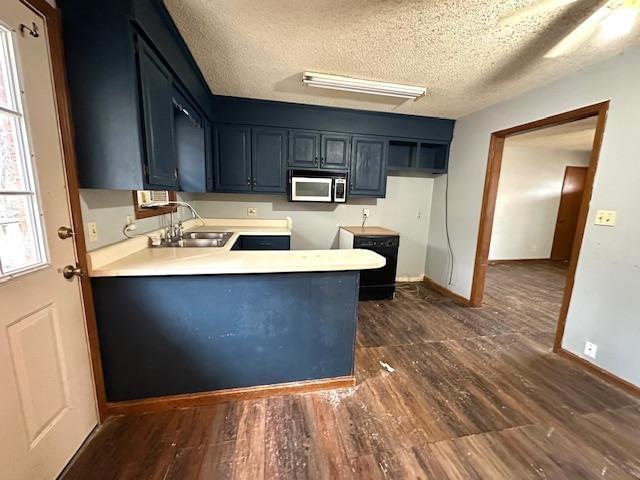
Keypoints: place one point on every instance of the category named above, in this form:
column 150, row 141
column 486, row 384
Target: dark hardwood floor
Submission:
column 443, row 391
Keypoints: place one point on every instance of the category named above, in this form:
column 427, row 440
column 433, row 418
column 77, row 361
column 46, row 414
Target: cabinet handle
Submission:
column 321, row 161
column 248, row 181
column 175, row 174
column 254, row 182
column 315, row 160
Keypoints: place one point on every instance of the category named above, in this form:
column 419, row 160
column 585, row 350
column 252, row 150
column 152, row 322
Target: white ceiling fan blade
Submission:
column 533, row 10
column 620, row 22
column 579, row 35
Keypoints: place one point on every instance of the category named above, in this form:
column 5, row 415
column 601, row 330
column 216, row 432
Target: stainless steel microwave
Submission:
column 317, row 186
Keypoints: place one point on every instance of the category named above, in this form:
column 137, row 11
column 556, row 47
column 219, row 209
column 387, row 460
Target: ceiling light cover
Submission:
column 349, row 84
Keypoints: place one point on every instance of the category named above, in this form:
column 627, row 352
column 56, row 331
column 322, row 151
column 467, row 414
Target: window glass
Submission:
column 13, row 176
column 6, row 89
column 21, row 238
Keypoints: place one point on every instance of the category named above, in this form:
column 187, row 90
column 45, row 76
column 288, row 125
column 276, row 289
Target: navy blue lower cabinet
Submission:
column 368, row 166
column 185, row 334
column 263, row 242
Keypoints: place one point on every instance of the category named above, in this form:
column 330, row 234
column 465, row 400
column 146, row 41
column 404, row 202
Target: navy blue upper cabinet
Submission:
column 232, row 158
column 368, row 166
column 152, row 18
column 192, row 152
column 156, row 91
column 414, row 155
column 311, row 149
column 249, row 159
column 305, row 149
column 335, row 151
column 268, row 160
column 121, row 91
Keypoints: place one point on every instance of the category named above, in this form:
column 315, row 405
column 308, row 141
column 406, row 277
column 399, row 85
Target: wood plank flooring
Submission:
column 443, row 391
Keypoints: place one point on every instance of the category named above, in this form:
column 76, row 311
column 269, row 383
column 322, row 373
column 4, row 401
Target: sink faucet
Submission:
column 175, row 230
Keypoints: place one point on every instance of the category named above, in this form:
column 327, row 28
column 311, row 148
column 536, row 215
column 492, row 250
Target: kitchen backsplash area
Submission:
column 405, row 209
column 110, row 209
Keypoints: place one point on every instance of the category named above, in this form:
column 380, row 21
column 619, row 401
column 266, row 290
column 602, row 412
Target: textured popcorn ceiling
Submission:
column 575, row 136
column 455, row 48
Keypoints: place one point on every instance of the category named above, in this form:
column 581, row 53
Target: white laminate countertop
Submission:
column 134, row 257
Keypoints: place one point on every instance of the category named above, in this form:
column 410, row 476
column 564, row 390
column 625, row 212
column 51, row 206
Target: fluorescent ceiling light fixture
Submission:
column 349, row 84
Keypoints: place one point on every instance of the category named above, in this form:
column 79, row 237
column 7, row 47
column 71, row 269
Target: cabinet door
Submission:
column 368, row 167
column 156, row 91
column 232, row 158
column 208, row 147
column 305, row 149
column 191, row 145
column 266, row 242
column 335, row 151
column 268, row 159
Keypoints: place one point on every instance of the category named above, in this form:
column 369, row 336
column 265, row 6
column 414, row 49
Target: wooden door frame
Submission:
column 53, row 21
column 496, row 149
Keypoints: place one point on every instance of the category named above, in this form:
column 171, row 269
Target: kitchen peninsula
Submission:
column 177, row 321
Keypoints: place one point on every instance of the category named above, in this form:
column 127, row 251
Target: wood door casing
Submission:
column 567, row 221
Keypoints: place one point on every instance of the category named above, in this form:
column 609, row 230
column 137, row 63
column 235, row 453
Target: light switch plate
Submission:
column 606, row 217
column 92, row 227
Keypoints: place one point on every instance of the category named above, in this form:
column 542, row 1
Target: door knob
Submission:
column 71, row 271
column 64, row 233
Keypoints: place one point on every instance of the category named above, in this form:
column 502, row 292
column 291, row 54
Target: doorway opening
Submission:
column 538, row 226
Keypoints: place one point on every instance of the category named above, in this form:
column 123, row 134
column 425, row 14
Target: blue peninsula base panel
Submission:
column 186, row 334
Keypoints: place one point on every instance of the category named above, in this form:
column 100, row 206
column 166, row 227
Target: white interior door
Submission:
column 47, row 405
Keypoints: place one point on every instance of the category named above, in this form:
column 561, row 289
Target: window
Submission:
column 141, row 197
column 21, row 236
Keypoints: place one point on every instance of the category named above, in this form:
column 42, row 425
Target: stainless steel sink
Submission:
column 215, row 235
column 198, row 240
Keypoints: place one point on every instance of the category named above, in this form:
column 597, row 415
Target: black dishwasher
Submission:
column 379, row 283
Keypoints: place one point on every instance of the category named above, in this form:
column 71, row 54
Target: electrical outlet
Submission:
column 92, row 227
column 606, row 217
column 590, row 349
column 252, row 211
column 365, row 212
